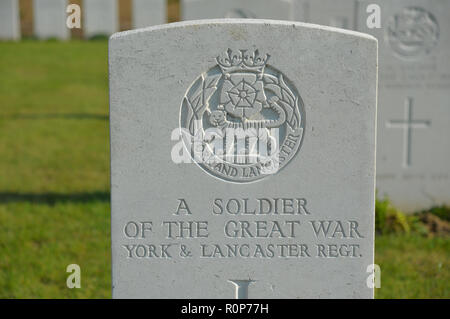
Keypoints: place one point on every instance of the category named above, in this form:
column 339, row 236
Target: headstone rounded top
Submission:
column 239, row 21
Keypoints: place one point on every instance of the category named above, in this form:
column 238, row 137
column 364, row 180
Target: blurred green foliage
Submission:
column 391, row 220
column 443, row 212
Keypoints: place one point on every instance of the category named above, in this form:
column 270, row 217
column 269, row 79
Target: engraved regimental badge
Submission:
column 412, row 33
column 242, row 120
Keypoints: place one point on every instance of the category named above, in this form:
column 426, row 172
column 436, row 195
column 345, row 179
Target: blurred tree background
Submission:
column 26, row 15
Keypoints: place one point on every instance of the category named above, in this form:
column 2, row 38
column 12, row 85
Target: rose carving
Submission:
column 242, row 95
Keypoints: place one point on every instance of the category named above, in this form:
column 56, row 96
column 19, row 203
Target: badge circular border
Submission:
column 417, row 41
column 204, row 93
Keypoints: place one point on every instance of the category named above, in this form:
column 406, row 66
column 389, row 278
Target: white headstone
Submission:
column 149, row 12
column 333, row 13
column 101, row 17
column 413, row 159
column 49, row 19
column 257, row 9
column 251, row 219
column 300, row 11
column 9, row 20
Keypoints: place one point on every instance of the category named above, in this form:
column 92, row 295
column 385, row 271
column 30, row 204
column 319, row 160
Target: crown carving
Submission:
column 242, row 60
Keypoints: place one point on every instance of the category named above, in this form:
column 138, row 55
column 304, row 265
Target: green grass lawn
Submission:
column 413, row 266
column 54, row 182
column 54, row 169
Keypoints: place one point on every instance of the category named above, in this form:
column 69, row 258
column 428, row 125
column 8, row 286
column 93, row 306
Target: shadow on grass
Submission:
column 53, row 198
column 36, row 116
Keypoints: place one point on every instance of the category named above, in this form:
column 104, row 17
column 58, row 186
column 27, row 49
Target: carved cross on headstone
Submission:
column 408, row 124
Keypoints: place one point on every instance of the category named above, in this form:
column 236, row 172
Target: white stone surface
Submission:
column 9, row 20
column 149, row 12
column 101, row 17
column 413, row 160
column 333, row 13
column 322, row 81
column 256, row 9
column 49, row 19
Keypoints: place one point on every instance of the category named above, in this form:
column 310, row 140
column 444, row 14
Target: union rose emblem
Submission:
column 243, row 95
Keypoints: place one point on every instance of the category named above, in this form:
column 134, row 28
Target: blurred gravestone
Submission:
column 333, row 13
column 101, row 17
column 413, row 155
column 9, row 20
column 49, row 19
column 148, row 12
column 211, row 225
column 253, row 9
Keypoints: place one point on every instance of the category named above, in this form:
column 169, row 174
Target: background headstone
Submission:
column 9, row 20
column 175, row 225
column 49, row 19
column 101, row 17
column 149, row 12
column 256, row 9
column 413, row 155
column 333, row 13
